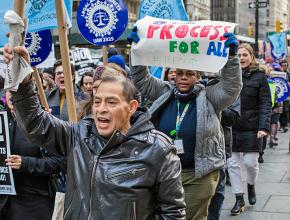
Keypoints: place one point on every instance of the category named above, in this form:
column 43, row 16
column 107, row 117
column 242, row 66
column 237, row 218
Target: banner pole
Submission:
column 64, row 51
column 105, row 55
column 40, row 90
column 19, row 7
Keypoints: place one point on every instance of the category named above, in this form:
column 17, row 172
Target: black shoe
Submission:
column 275, row 138
column 275, row 144
column 239, row 205
column 285, row 130
column 261, row 159
column 252, row 194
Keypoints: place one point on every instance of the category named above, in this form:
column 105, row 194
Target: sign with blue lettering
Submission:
column 38, row 45
column 102, row 22
column 282, row 88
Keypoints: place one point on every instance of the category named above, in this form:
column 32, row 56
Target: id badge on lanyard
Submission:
column 179, row 146
column 179, row 142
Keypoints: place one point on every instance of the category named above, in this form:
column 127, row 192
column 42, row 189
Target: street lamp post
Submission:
column 257, row 28
column 257, row 5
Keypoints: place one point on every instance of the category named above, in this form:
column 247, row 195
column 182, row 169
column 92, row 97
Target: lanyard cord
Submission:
column 179, row 117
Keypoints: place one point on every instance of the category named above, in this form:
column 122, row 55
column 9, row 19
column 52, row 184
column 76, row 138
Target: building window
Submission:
column 267, row 23
column 268, row 13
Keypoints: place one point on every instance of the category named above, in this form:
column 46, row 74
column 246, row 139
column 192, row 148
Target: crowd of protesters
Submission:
column 144, row 146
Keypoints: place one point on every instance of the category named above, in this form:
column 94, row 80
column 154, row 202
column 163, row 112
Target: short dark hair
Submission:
column 59, row 63
column 129, row 90
column 283, row 61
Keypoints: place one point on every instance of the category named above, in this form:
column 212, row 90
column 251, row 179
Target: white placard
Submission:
column 196, row 45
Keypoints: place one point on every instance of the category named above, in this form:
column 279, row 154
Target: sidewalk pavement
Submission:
column 272, row 188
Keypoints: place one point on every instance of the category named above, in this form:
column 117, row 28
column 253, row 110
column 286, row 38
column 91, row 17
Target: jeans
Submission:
column 216, row 203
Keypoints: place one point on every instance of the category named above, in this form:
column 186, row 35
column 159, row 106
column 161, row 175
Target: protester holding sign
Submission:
column 248, row 132
column 118, row 164
column 34, row 199
column 190, row 114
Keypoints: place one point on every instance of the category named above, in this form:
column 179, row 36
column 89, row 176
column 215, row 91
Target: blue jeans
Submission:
column 215, row 207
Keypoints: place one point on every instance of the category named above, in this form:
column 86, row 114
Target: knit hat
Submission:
column 119, row 60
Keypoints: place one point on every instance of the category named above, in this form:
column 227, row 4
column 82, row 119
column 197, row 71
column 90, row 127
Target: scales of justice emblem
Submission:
column 102, row 22
column 101, row 18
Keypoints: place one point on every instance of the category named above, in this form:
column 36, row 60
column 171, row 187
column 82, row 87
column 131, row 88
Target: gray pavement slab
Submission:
column 272, row 187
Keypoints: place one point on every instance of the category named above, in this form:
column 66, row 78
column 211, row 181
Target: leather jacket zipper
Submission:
column 132, row 171
column 92, row 177
column 134, row 211
column 91, row 185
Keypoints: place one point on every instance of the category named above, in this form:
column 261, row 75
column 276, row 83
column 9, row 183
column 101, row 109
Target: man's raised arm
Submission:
column 42, row 128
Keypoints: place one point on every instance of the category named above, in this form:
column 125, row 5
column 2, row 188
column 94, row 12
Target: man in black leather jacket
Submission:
column 119, row 166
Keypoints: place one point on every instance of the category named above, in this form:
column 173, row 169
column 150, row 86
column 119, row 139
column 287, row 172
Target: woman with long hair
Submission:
column 250, row 129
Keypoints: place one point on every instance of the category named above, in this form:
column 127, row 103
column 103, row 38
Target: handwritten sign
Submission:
column 6, row 177
column 195, row 45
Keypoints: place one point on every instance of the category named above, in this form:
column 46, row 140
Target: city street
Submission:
column 273, row 187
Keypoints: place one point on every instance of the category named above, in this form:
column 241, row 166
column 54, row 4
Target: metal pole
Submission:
column 257, row 28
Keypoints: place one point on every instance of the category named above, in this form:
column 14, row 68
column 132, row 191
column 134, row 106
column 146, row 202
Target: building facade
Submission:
column 278, row 11
column 198, row 9
column 238, row 11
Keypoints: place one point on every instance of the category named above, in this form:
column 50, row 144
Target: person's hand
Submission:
column 232, row 43
column 261, row 134
column 14, row 161
column 133, row 37
column 9, row 53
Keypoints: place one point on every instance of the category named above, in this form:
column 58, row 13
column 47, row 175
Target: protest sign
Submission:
column 5, row 6
column 278, row 44
column 82, row 60
column 49, row 61
column 38, row 45
column 102, row 22
column 282, row 88
column 3, row 67
column 41, row 14
column 166, row 9
column 6, row 177
column 195, row 45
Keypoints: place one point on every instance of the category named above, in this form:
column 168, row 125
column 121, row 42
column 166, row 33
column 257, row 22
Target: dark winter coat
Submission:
column 129, row 177
column 32, row 179
column 255, row 111
column 53, row 99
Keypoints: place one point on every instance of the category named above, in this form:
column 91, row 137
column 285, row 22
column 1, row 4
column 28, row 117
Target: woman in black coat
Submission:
column 31, row 172
column 249, row 130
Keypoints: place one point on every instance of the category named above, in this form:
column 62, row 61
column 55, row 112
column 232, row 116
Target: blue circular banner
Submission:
column 38, row 45
column 282, row 88
column 102, row 22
